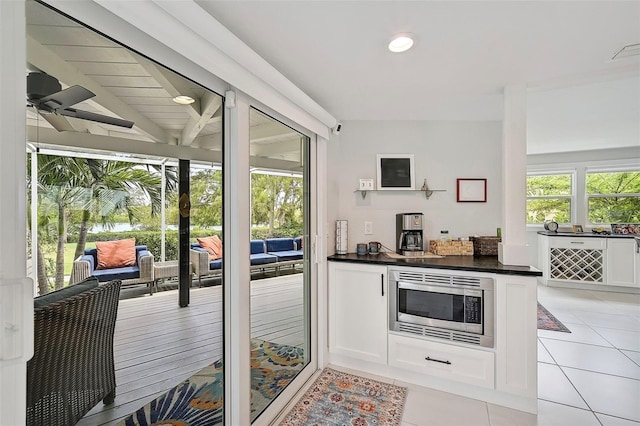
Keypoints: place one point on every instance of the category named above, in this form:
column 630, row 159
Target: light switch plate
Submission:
column 368, row 228
column 366, row 184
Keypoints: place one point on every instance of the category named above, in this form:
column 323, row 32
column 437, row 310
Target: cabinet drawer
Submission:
column 451, row 362
column 578, row 243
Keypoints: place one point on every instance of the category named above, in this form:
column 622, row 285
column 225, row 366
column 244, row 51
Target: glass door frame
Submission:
column 237, row 187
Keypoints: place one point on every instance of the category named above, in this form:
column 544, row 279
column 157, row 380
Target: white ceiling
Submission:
column 466, row 53
column 335, row 51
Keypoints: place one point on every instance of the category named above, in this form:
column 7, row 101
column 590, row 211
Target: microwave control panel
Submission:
column 472, row 310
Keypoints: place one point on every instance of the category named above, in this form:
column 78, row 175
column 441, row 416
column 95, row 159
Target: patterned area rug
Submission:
column 198, row 400
column 337, row 398
column 546, row 321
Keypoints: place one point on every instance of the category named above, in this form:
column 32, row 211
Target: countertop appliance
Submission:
column 451, row 307
column 409, row 234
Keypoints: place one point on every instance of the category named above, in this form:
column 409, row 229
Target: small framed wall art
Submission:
column 395, row 171
column 472, row 190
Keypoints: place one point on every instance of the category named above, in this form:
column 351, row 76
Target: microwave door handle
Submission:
column 382, row 283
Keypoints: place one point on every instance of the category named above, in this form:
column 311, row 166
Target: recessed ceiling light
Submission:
column 401, row 43
column 183, row 100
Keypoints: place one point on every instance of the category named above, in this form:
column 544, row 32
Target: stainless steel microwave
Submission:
column 451, row 307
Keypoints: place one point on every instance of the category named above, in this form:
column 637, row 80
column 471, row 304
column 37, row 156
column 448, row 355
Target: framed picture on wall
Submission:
column 396, row 171
column 472, row 190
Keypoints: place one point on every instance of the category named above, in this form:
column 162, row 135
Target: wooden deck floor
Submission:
column 158, row 344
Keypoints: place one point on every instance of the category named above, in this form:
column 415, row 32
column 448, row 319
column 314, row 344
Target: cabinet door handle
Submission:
column 382, row 283
column 438, row 360
column 577, row 242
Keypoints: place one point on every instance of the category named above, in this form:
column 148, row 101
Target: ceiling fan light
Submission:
column 183, row 100
column 401, row 43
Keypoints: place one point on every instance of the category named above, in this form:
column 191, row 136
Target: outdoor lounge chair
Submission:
column 142, row 272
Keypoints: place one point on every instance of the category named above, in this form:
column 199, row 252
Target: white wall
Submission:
column 594, row 115
column 443, row 150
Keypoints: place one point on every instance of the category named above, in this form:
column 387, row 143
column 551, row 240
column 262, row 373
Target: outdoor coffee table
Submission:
column 168, row 269
column 162, row 270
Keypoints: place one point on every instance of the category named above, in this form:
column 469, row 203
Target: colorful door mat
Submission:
column 337, row 398
column 198, row 401
column 546, row 321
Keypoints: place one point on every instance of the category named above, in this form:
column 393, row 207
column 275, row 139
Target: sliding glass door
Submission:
column 279, row 260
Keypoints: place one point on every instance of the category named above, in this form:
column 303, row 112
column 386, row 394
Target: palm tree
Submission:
column 58, row 190
column 110, row 187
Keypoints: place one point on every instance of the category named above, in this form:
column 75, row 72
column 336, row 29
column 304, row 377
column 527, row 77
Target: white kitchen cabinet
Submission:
column 623, row 262
column 504, row 374
column 467, row 365
column 584, row 262
column 358, row 311
column 516, row 336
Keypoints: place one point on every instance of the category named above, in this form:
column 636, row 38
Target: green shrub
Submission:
column 263, row 233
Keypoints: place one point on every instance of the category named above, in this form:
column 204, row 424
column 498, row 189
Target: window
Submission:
column 549, row 197
column 613, row 196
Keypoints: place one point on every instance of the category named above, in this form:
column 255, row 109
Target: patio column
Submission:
column 184, row 207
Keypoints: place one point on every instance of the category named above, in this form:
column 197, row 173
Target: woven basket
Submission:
column 451, row 248
column 485, row 246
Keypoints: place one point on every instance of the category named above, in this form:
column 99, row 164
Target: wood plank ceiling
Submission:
column 132, row 87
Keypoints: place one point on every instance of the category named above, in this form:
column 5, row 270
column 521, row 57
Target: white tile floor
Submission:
column 590, row 376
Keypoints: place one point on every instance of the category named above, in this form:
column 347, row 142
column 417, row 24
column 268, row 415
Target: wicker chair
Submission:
column 142, row 272
column 72, row 368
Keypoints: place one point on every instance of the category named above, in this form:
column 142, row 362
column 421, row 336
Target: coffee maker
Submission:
column 409, row 234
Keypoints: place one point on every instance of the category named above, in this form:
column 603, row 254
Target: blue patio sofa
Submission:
column 269, row 253
column 142, row 272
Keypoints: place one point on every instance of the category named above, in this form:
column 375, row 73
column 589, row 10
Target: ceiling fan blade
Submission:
column 58, row 122
column 99, row 118
column 65, row 98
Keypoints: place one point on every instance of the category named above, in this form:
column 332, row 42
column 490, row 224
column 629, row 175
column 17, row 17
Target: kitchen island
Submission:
column 363, row 304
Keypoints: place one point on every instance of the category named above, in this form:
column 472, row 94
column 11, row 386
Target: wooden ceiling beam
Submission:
column 277, row 148
column 210, row 104
column 169, row 82
column 85, row 141
column 269, row 131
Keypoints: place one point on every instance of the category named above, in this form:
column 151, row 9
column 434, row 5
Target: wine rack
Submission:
column 577, row 264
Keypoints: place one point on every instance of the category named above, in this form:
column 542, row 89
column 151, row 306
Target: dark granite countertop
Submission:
column 488, row 264
column 586, row 234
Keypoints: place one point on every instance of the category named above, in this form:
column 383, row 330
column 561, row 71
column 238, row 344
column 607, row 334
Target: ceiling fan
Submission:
column 45, row 95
